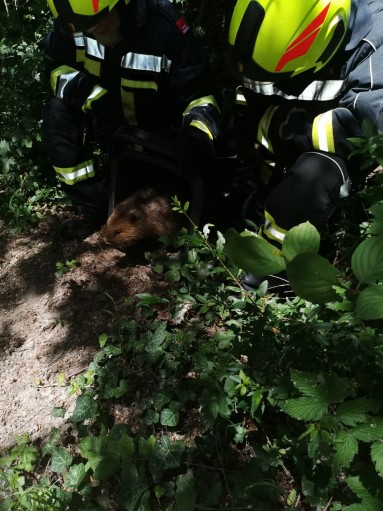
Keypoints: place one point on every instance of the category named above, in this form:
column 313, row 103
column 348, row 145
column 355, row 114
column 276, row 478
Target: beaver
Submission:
column 145, row 215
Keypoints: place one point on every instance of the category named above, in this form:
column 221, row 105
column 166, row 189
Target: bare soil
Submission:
column 50, row 323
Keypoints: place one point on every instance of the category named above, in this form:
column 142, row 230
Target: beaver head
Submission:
column 145, row 215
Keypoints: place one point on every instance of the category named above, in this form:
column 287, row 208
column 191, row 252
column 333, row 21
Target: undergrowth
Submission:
column 207, row 397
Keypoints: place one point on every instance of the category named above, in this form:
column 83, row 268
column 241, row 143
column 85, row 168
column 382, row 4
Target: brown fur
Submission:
column 145, row 215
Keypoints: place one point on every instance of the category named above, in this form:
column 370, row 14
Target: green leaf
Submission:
column 377, row 457
column 353, row 412
column 307, row 383
column 58, row 412
column 130, row 497
column 369, row 303
column 346, row 446
column 215, row 403
column 86, row 407
column 168, row 454
column 312, row 277
column 370, row 432
column 151, row 417
column 302, row 239
column 75, row 476
column 149, row 299
column 170, row 416
column 367, row 261
column 61, row 459
column 186, row 494
column 305, row 408
column 253, row 254
column 103, row 466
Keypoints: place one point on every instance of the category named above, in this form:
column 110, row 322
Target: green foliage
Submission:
column 25, row 187
column 62, row 268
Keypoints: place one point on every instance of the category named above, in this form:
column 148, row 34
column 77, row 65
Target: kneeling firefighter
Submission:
column 310, row 75
column 116, row 63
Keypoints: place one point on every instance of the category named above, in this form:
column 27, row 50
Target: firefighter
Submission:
column 310, row 78
column 116, row 63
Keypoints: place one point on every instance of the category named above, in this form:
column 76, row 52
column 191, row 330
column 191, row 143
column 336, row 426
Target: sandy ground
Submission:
column 50, row 324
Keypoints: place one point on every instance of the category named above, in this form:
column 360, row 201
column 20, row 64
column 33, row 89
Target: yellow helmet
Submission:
column 81, row 14
column 275, row 39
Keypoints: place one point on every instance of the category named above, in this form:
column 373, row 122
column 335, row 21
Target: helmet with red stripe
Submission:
column 276, row 39
column 81, row 14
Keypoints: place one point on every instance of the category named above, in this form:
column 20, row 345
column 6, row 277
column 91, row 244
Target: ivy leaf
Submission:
column 346, row 446
column 301, row 239
column 151, row 417
column 377, row 457
column 215, row 403
column 75, row 476
column 306, row 408
column 369, row 303
column 167, row 454
column 103, row 466
column 366, row 260
column 58, row 412
column 186, row 494
column 86, row 407
column 131, row 496
column 312, row 277
column 170, row 416
column 61, row 459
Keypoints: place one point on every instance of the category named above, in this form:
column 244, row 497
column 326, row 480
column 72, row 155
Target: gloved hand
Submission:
column 107, row 118
column 196, row 151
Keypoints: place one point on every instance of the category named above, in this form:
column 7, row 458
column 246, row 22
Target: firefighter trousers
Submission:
column 309, row 190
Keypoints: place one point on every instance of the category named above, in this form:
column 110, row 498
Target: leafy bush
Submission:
column 26, row 180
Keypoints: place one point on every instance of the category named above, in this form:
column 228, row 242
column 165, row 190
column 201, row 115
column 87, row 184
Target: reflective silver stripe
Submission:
column 94, row 49
column 64, row 79
column 142, row 62
column 79, row 40
column 96, row 92
column 83, row 171
column 240, row 99
column 317, row 90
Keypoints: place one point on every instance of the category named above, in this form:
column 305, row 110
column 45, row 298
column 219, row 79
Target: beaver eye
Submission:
column 133, row 218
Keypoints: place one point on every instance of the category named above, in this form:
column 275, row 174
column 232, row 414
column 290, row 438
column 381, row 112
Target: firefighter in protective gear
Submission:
column 116, row 63
column 311, row 75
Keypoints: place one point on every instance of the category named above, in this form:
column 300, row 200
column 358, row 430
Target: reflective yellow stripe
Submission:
column 201, row 126
column 73, row 175
column 61, row 71
column 93, row 67
column 323, row 133
column 96, row 94
column 271, row 229
column 135, row 84
column 128, row 106
column 80, row 54
column 263, row 128
column 206, row 100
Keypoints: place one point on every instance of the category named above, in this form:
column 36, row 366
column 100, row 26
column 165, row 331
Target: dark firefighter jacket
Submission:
column 158, row 74
column 322, row 110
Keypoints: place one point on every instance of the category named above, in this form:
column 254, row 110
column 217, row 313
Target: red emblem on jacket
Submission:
column 182, row 25
column 95, row 5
